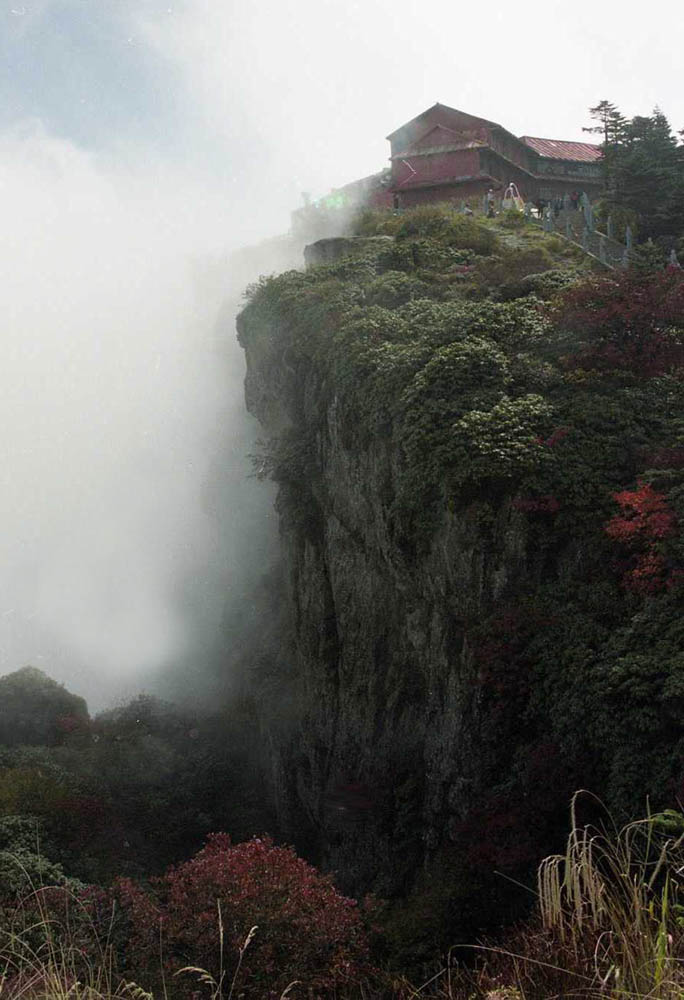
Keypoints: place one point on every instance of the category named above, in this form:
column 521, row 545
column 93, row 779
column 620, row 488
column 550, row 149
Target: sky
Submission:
column 140, row 143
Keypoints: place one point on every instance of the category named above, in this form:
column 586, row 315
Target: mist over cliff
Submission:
column 130, row 523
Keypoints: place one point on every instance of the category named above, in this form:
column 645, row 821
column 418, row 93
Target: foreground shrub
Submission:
column 504, row 273
column 51, row 948
column 305, row 929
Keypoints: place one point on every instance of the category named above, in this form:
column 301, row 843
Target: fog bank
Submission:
column 128, row 520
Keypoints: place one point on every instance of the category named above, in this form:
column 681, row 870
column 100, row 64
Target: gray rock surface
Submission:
column 374, row 728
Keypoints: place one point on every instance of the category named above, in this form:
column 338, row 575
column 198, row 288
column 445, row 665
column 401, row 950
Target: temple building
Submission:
column 448, row 155
column 444, row 154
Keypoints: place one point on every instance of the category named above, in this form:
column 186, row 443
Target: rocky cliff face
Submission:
column 379, row 761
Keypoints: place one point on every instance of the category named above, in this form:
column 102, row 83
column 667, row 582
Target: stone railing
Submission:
column 578, row 227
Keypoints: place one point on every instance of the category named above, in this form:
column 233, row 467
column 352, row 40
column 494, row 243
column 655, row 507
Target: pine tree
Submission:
column 610, row 123
column 643, row 169
column 649, row 174
column 611, row 126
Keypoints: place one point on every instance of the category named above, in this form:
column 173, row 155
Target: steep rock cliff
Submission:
column 439, row 595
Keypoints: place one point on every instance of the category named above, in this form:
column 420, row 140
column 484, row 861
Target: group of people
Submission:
column 572, row 201
column 558, row 204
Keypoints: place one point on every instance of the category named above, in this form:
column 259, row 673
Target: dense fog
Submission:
column 129, row 520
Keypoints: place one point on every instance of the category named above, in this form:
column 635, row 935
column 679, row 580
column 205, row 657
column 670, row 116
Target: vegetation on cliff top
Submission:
column 416, row 337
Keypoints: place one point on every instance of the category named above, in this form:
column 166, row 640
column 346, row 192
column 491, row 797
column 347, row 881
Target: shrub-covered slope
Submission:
column 478, row 444
column 35, row 709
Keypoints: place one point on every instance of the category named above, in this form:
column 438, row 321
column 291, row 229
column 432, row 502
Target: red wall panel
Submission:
column 435, row 167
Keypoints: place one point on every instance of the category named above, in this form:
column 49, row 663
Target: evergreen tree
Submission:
column 643, row 169
column 649, row 174
column 611, row 125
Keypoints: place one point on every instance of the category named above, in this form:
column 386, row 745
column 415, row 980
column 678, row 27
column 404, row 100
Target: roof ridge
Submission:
column 574, row 142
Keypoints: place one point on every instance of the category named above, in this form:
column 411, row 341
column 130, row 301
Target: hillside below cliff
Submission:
column 478, row 448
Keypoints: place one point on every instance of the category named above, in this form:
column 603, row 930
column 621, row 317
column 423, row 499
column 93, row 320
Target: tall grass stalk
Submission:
column 216, row 985
column 616, row 893
column 42, row 955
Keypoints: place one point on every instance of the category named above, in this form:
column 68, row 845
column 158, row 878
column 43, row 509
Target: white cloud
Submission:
column 113, row 405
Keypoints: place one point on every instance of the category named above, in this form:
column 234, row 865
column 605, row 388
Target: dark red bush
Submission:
column 628, row 321
column 547, row 504
column 307, row 930
column 665, row 458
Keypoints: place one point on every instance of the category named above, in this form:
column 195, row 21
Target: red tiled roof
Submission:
column 556, row 149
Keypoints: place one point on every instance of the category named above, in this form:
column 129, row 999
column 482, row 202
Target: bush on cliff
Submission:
column 443, row 223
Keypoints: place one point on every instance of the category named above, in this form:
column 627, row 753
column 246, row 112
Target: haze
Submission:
column 139, row 143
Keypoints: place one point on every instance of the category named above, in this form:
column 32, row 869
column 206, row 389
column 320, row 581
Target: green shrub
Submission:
column 501, row 443
column 504, row 272
column 512, row 219
column 376, row 222
column 547, row 284
column 394, row 288
column 447, row 226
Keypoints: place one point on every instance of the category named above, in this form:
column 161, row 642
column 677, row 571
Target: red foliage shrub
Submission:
column 497, row 835
column 553, row 439
column 537, row 505
column 665, row 458
column 307, row 930
column 629, row 321
column 645, row 515
column 645, row 520
column 70, row 723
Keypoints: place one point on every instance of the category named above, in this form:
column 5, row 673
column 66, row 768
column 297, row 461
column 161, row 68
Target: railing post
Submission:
column 602, row 250
column 629, row 238
column 625, row 258
column 585, row 239
column 609, row 227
